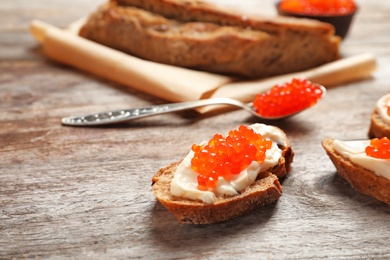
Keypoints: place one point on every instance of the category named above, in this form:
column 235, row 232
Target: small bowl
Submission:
column 341, row 23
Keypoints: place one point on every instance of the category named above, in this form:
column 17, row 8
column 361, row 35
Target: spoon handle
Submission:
column 124, row 115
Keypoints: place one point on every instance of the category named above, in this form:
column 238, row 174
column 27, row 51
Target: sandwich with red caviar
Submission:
column 380, row 118
column 226, row 177
column 365, row 164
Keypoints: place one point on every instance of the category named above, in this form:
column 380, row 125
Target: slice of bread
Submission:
column 265, row 190
column 378, row 127
column 284, row 165
column 361, row 179
column 202, row 36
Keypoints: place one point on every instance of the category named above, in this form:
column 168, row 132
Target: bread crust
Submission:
column 361, row 179
column 201, row 36
column 378, row 127
column 284, row 165
column 265, row 190
column 195, row 10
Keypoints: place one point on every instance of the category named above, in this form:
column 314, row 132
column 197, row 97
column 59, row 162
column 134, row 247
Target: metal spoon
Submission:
column 124, row 115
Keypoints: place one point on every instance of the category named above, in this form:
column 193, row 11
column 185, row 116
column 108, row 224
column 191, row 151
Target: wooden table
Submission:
column 85, row 193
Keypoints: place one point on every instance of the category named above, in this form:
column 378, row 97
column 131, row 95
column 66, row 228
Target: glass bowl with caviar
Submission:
column 339, row 13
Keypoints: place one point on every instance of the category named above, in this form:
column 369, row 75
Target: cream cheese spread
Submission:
column 355, row 151
column 184, row 183
column 381, row 106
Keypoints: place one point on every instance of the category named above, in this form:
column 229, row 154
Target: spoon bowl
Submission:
column 119, row 116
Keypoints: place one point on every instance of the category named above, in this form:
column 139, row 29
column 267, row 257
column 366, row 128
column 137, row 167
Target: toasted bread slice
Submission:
column 265, row 190
column 361, row 179
column 378, row 128
column 202, row 36
column 284, row 165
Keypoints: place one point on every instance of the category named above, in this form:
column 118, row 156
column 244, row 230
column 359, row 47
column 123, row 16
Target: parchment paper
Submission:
column 174, row 83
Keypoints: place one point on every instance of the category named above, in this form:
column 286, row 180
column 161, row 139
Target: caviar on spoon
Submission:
column 279, row 102
column 288, row 98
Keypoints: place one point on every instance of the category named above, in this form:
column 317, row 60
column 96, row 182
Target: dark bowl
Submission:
column 341, row 23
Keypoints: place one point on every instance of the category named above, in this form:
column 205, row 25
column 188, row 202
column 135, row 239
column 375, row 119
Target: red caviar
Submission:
column 226, row 156
column 287, row 98
column 379, row 148
column 318, row 7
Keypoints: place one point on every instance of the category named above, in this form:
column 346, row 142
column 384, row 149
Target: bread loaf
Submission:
column 199, row 35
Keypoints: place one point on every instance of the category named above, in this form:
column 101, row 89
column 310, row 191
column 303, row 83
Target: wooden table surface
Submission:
column 85, row 193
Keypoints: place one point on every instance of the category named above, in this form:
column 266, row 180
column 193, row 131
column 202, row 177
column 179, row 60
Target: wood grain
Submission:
column 84, row 193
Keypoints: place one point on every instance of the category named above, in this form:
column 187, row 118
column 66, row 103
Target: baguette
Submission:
column 199, row 35
column 265, row 190
column 361, row 179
